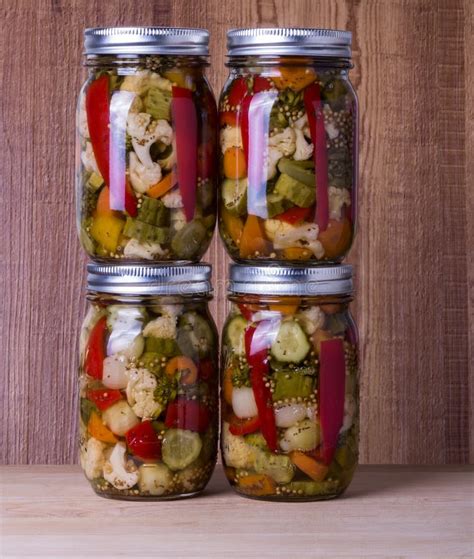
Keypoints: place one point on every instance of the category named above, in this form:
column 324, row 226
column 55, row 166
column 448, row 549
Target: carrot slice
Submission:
column 103, row 202
column 253, row 238
column 185, row 367
column 337, row 238
column 227, row 387
column 99, row 431
column 297, row 253
column 309, row 466
column 290, row 305
column 295, row 77
column 257, row 484
column 162, row 187
column 235, row 166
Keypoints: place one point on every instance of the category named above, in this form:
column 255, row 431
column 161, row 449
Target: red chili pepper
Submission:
column 261, row 84
column 103, row 398
column 95, row 349
column 97, row 110
column 244, row 426
column 259, row 369
column 130, row 200
column 206, row 370
column 294, row 215
column 185, row 124
column 237, row 92
column 314, row 110
column 187, row 414
column 332, row 378
column 143, row 442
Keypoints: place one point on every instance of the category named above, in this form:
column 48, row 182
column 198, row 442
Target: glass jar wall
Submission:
column 146, row 146
column 148, row 382
column 288, row 146
column 289, row 384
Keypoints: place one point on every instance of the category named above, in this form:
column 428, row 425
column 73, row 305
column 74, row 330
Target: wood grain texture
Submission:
column 388, row 512
column 413, row 253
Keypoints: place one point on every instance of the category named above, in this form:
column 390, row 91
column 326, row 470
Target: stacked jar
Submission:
column 146, row 211
column 288, row 142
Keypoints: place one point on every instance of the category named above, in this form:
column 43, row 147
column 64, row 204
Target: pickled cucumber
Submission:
column 187, row 241
column 277, row 466
column 157, row 103
column 153, row 212
column 291, row 344
column 162, row 347
column 297, row 172
column 314, row 488
column 145, row 232
column 234, row 196
column 291, row 385
column 180, row 448
column 235, row 334
column 297, row 192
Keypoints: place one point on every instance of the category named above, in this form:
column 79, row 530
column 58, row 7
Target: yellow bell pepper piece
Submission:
column 106, row 230
column 99, row 431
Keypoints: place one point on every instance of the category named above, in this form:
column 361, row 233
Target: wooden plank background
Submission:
column 415, row 279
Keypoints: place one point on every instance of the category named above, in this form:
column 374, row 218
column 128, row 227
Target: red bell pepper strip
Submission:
column 259, row 368
column 261, row 84
column 130, row 200
column 103, row 398
column 294, row 215
column 314, row 110
column 143, row 441
column 332, row 378
column 95, row 349
column 228, row 117
column 98, row 118
column 185, row 124
column 246, row 311
column 187, row 414
column 244, row 426
column 237, row 92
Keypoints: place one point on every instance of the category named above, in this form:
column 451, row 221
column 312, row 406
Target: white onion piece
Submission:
column 288, row 415
column 119, row 418
column 243, row 402
column 304, row 436
column 350, row 408
column 115, row 368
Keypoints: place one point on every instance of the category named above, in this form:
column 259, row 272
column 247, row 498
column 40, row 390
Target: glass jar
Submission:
column 148, row 382
column 146, row 146
column 289, row 385
column 288, row 139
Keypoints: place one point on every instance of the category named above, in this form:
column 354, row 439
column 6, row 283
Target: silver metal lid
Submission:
column 146, row 40
column 299, row 41
column 300, row 281
column 149, row 279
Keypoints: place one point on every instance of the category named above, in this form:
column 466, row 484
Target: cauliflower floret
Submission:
column 311, row 319
column 140, row 393
column 273, row 156
column 231, row 136
column 302, row 124
column 237, row 453
column 304, row 149
column 177, row 219
column 350, row 409
column 120, row 473
column 144, row 132
column 140, row 82
column 285, row 235
column 337, row 198
column 141, row 177
column 285, row 141
column 161, row 327
column 88, row 159
column 172, row 311
column 173, row 199
column 145, row 250
column 92, row 458
column 82, row 125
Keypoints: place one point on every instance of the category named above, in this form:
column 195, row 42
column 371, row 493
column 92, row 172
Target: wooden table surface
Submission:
column 389, row 512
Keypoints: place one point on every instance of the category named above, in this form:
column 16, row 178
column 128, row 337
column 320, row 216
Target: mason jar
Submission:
column 146, row 145
column 148, row 382
column 289, row 384
column 288, row 146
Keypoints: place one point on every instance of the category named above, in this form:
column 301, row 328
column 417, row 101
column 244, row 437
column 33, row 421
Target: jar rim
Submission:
column 298, row 281
column 299, row 41
column 177, row 41
column 149, row 279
